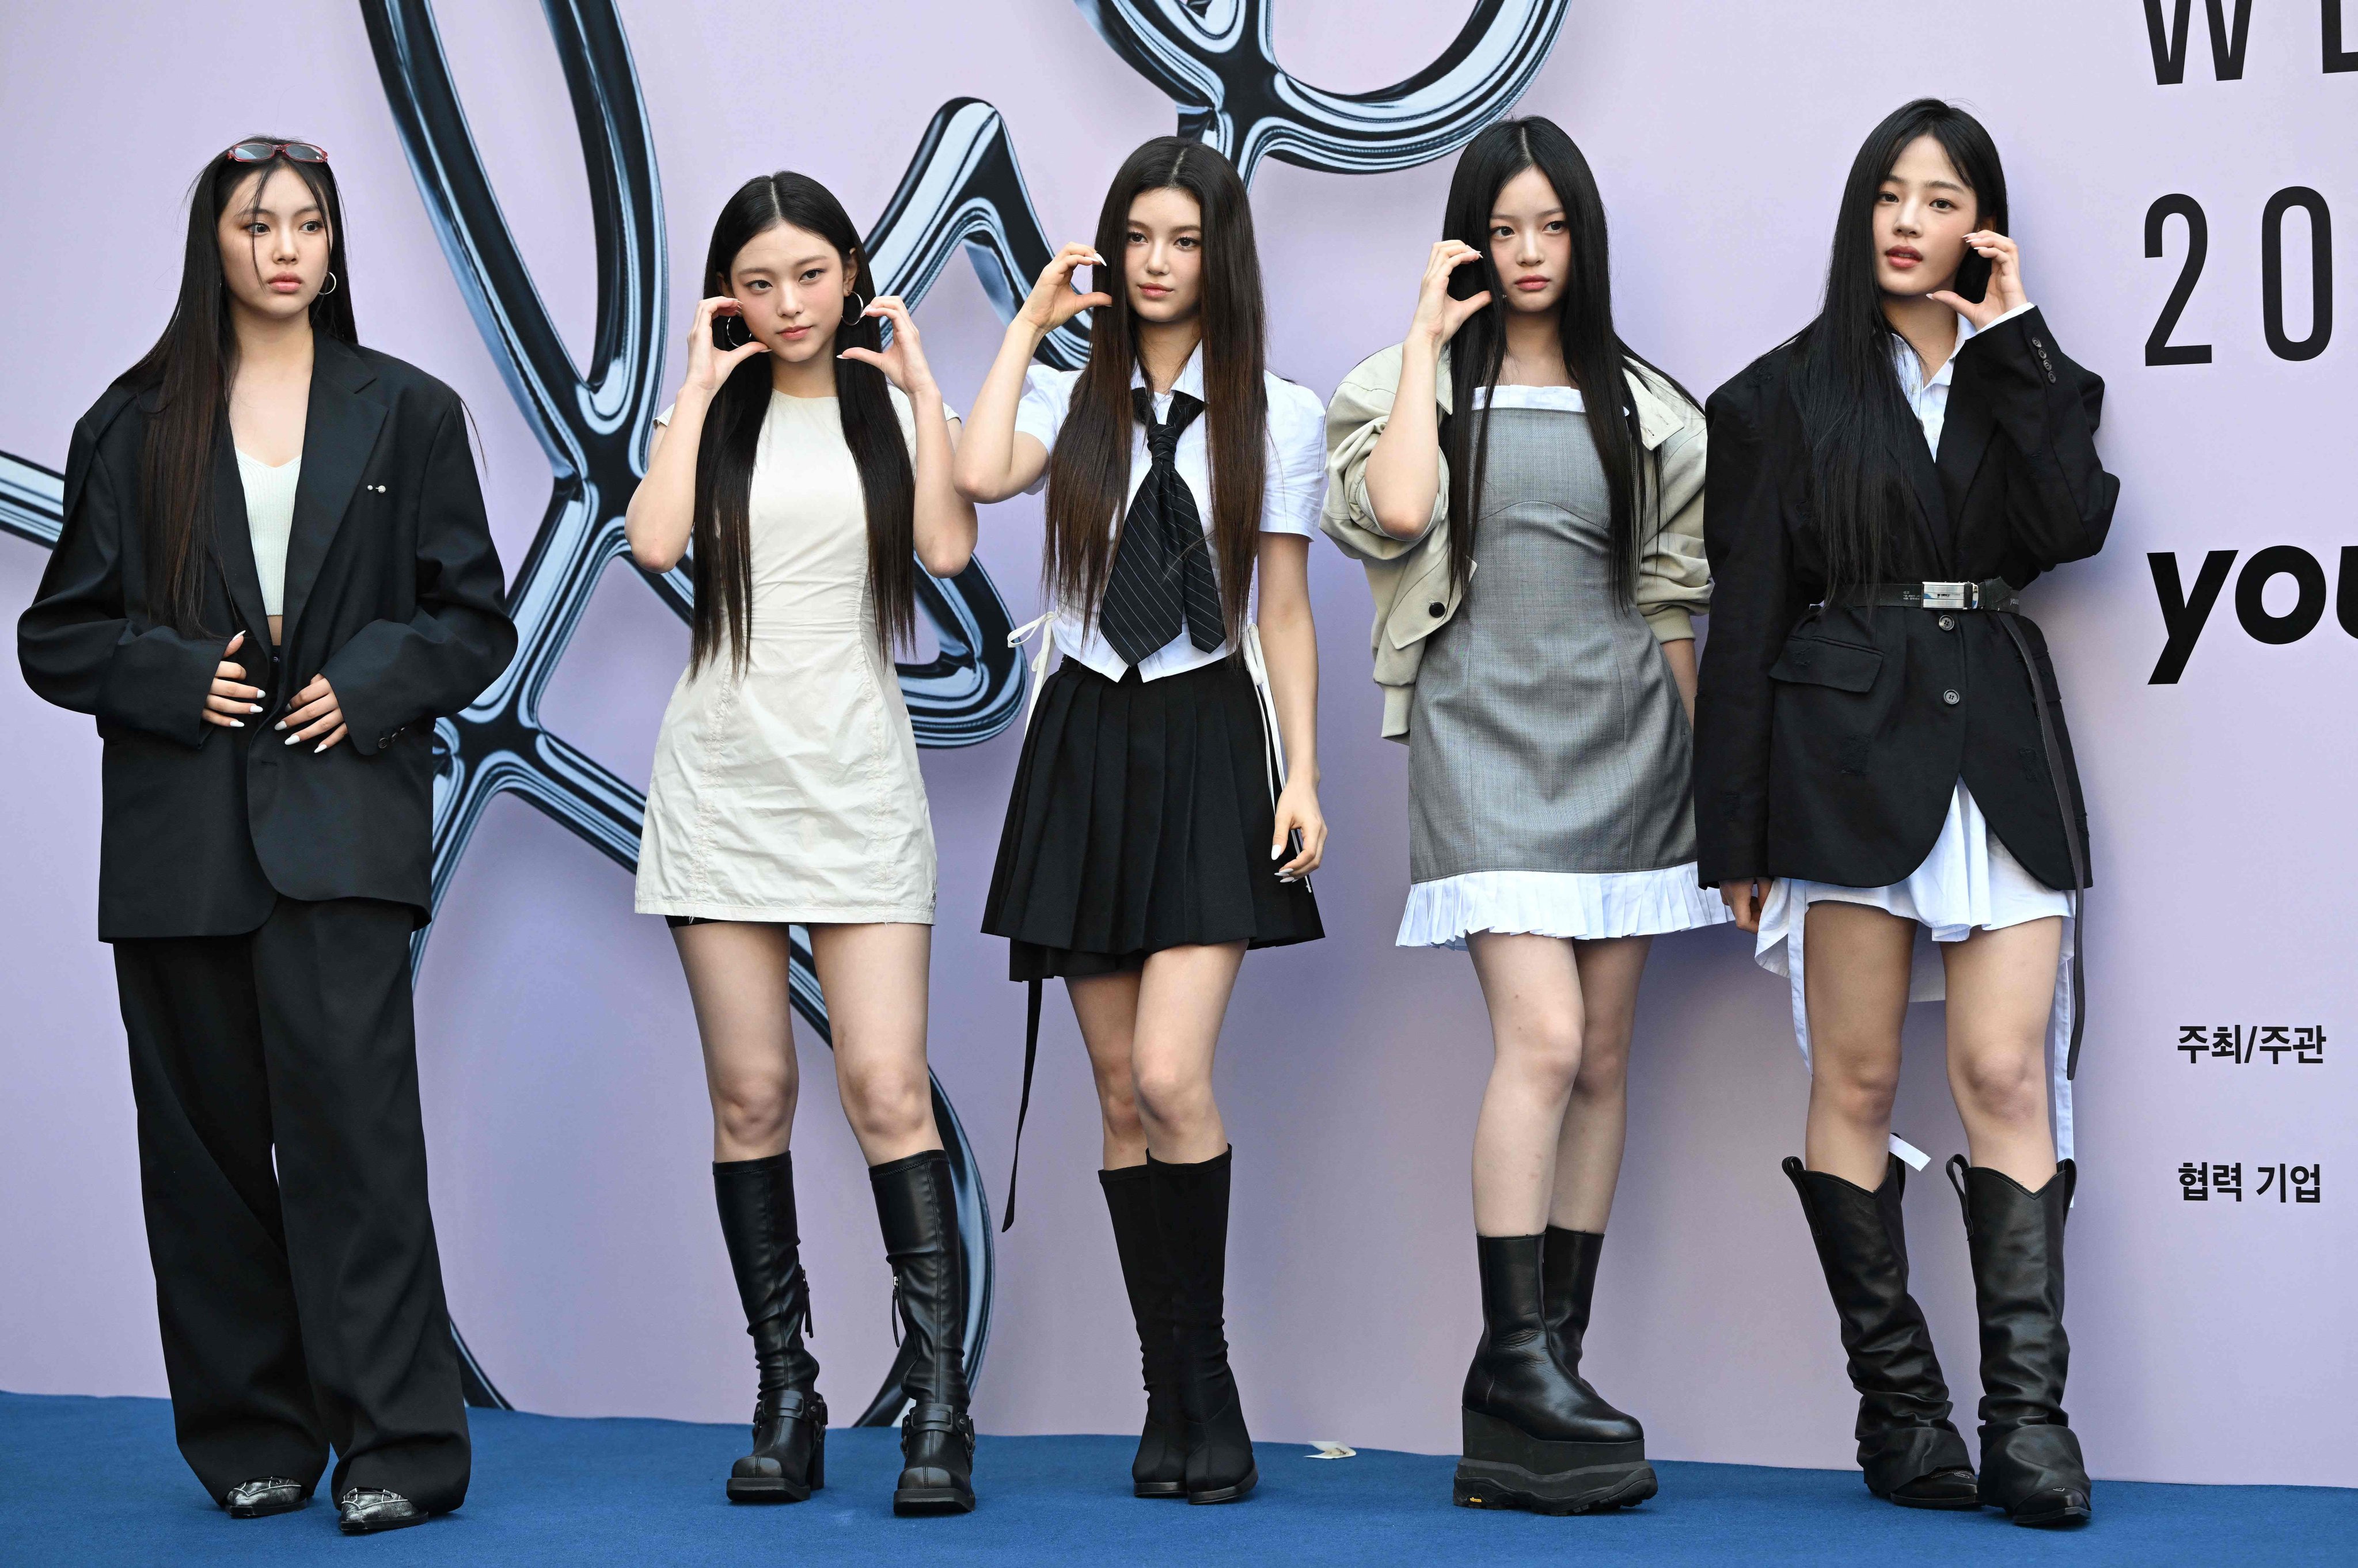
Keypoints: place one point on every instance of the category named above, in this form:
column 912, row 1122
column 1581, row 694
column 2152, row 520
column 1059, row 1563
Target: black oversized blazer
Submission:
column 1829, row 738
column 393, row 591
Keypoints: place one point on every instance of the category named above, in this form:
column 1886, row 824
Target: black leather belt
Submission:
column 1996, row 597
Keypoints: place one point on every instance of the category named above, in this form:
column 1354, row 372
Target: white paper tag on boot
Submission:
column 1326, row 1450
column 1916, row 1159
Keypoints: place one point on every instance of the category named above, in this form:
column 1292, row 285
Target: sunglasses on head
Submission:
column 263, row 152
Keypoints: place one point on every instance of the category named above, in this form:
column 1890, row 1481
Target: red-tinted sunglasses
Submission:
column 263, row 152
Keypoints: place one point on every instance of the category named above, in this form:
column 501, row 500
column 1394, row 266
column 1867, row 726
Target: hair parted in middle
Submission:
column 1088, row 472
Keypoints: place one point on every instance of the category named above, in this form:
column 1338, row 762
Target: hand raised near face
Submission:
column 1053, row 301
column 709, row 367
column 903, row 360
column 1438, row 316
column 2005, row 292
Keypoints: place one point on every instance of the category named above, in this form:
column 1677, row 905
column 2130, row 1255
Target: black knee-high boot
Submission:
column 1191, row 1211
column 1161, row 1469
column 1907, row 1445
column 2030, row 1457
column 757, row 1220
column 917, row 1207
column 1536, row 1436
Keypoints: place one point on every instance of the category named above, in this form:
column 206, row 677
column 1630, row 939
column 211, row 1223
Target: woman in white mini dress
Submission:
column 810, row 469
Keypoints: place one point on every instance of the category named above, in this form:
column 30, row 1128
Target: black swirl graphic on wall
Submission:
column 963, row 189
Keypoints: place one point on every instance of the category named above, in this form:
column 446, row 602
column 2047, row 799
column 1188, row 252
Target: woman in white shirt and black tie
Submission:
column 1149, row 840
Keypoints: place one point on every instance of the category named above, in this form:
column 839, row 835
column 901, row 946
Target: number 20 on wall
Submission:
column 2160, row 350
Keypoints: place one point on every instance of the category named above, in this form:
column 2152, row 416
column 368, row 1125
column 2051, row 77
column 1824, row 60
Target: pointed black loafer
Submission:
column 265, row 1496
column 365, row 1510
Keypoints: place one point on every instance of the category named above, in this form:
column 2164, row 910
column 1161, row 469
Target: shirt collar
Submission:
column 1191, row 376
column 1911, row 368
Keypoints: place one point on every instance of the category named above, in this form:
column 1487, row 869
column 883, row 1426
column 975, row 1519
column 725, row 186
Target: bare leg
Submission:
column 1596, row 1120
column 2001, row 994
column 874, row 980
column 737, row 978
column 1537, row 1018
column 1183, row 995
column 1105, row 1007
column 1857, row 984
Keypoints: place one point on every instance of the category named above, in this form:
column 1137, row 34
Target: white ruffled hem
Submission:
column 1587, row 906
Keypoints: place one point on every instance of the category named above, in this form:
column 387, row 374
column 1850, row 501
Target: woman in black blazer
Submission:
column 274, row 575
column 1880, row 747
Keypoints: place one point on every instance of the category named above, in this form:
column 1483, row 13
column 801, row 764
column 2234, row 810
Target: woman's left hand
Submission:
column 903, row 361
column 2005, row 292
column 316, row 713
column 1297, row 811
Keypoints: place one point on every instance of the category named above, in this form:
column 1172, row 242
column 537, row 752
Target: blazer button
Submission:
column 1951, row 696
column 1437, row 609
column 1948, row 622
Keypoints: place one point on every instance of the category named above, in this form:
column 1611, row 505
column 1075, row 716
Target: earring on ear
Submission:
column 854, row 307
column 328, row 287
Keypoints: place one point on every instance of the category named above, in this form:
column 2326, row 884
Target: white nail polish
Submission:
column 253, row 708
column 319, row 747
column 292, row 738
column 237, row 723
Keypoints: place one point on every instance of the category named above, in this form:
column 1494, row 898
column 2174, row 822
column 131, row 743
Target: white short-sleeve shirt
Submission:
column 1297, row 480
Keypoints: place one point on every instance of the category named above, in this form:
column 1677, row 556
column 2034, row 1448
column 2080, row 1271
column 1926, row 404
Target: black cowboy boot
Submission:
column 1161, row 1469
column 917, row 1209
column 2030, row 1457
column 1191, row 1212
column 1536, row 1436
column 757, row 1220
column 1907, row 1445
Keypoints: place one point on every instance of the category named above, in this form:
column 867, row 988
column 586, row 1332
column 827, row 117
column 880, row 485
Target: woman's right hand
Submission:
column 1743, row 900
column 709, row 367
column 1053, row 300
column 1438, row 316
column 231, row 699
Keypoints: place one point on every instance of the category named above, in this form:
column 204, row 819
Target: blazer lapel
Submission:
column 233, row 544
column 340, row 431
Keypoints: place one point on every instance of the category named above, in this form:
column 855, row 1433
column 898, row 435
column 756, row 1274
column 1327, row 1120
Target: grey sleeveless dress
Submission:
column 1549, row 754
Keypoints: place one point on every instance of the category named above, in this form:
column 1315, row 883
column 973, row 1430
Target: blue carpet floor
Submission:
column 93, row 1482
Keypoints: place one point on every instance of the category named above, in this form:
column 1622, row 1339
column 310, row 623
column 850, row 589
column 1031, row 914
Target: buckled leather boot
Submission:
column 917, row 1207
column 1536, row 1436
column 757, row 1220
column 1908, row 1446
column 2030, row 1457
column 1160, row 1470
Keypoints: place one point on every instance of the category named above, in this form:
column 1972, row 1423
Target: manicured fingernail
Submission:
column 281, row 725
column 237, row 723
column 319, row 747
column 291, row 739
column 1275, row 850
column 253, row 708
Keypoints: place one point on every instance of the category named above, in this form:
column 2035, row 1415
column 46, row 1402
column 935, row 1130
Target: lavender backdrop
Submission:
column 566, row 1108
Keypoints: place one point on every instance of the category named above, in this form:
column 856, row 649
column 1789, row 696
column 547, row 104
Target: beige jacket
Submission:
column 1409, row 577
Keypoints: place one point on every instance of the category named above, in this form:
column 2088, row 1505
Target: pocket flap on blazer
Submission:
column 1818, row 661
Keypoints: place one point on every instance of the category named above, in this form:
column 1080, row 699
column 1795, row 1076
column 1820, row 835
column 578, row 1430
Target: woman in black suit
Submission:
column 274, row 575
column 1880, row 747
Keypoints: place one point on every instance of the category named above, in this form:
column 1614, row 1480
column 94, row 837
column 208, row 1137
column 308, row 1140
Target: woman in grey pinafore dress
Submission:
column 1544, row 698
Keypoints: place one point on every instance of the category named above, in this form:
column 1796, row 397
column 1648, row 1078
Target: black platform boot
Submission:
column 757, row 1220
column 2030, row 1457
column 1161, row 1469
column 1191, row 1212
column 917, row 1207
column 1536, row 1436
column 1907, row 1445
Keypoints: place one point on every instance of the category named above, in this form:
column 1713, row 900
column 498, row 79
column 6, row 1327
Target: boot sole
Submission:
column 1158, row 1489
column 911, row 1502
column 1942, row 1505
column 1505, row 1468
column 2048, row 1516
column 1235, row 1494
column 766, row 1489
column 267, row 1511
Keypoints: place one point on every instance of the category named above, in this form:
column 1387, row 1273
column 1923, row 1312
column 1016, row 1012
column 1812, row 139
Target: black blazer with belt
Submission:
column 393, row 591
column 1829, row 738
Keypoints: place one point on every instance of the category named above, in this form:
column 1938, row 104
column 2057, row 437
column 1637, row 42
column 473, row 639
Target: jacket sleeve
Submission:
column 2060, row 502
column 1673, row 571
column 78, row 646
column 394, row 673
column 1743, row 533
column 1356, row 418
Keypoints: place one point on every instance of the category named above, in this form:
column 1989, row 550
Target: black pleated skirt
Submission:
column 1140, row 820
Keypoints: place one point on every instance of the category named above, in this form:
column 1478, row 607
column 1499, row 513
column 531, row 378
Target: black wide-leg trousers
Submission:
column 300, row 1298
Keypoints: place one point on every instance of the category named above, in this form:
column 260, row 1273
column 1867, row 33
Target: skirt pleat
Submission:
column 1140, row 820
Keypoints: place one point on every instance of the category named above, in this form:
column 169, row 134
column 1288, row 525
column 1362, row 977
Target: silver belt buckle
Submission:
column 1950, row 595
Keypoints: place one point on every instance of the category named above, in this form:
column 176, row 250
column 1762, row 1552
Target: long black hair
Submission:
column 188, row 370
column 732, row 433
column 1593, row 351
column 1853, row 410
column 1088, row 473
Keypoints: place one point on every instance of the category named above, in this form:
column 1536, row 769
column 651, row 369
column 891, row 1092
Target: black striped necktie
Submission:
column 1162, row 579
